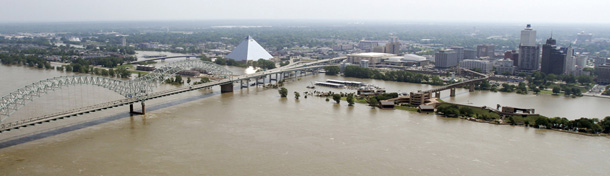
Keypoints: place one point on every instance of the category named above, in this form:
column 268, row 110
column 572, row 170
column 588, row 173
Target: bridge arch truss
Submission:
column 138, row 88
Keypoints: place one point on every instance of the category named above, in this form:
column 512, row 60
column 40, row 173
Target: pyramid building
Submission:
column 248, row 50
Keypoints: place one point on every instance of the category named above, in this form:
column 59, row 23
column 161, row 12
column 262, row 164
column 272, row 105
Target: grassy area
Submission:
column 356, row 100
column 126, row 66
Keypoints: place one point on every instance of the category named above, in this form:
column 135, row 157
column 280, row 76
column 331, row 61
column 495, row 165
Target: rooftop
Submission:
column 371, row 54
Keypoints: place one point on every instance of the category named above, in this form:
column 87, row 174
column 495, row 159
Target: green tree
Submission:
column 111, row 72
column 188, row 80
column 536, row 90
column 605, row 124
column 542, row 121
column 350, row 99
column 204, row 80
column 556, row 90
column 466, row 111
column 373, row 102
column 296, row 95
column 178, row 79
column 567, row 91
column 337, row 98
column 283, row 92
column 332, row 70
column 205, row 58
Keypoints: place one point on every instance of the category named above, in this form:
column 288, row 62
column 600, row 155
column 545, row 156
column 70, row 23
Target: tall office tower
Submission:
column 569, row 62
column 459, row 51
column 393, row 39
column 529, row 51
column 553, row 58
column 393, row 46
column 486, row 51
column 445, row 59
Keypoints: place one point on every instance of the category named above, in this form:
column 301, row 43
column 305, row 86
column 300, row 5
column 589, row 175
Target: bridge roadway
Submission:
column 460, row 84
column 130, row 101
column 421, row 97
column 161, row 58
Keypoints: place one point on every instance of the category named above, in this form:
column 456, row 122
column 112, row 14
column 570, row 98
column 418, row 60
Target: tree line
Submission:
column 399, row 76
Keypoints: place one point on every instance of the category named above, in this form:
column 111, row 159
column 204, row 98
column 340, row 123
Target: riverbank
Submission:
column 483, row 115
column 590, row 127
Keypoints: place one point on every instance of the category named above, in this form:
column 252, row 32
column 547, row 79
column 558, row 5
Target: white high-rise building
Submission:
column 528, row 36
column 529, row 51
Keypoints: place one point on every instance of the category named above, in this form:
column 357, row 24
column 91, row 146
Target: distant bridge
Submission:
column 162, row 58
column 138, row 90
column 421, row 97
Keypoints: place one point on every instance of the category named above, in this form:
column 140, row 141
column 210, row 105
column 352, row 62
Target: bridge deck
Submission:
column 112, row 104
column 460, row 84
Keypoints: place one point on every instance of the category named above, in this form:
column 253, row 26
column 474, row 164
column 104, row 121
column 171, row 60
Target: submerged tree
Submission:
column 283, row 92
column 350, row 99
column 337, row 98
column 373, row 102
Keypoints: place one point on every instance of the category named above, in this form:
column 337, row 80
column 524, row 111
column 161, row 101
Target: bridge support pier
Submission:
column 471, row 88
column 437, row 94
column 131, row 111
column 226, row 88
column 452, row 92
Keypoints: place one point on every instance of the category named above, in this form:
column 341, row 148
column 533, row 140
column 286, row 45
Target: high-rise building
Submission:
column 528, row 36
column 459, row 51
column 570, row 62
column 555, row 60
column 393, row 46
column 445, row 59
column 581, row 61
column 469, row 54
column 486, row 51
column 393, row 39
column 603, row 74
column 529, row 50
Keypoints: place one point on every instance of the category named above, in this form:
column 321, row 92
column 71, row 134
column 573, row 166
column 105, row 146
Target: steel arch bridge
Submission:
column 138, row 88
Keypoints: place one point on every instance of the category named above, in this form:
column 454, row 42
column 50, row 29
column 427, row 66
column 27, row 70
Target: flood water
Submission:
column 255, row 132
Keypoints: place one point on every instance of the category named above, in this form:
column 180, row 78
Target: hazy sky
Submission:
column 519, row 11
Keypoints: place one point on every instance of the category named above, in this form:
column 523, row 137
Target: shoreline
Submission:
column 472, row 119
